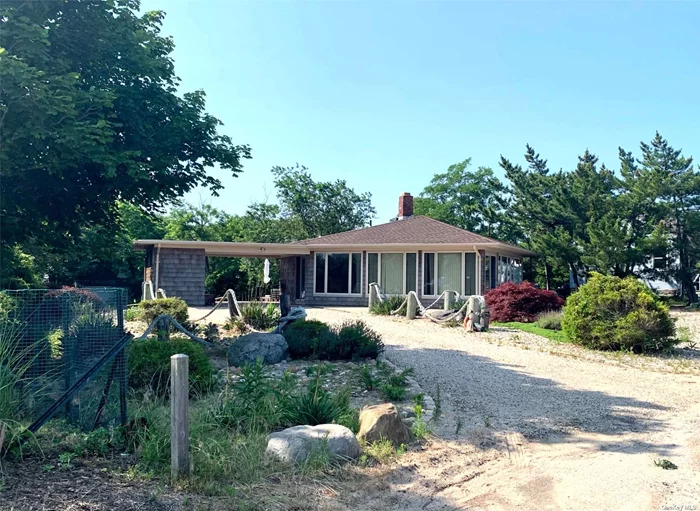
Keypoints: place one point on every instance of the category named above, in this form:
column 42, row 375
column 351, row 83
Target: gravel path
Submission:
column 551, row 426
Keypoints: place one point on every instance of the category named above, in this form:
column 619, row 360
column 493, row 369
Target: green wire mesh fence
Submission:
column 52, row 339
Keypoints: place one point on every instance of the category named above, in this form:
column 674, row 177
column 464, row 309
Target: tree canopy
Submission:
column 90, row 116
column 321, row 207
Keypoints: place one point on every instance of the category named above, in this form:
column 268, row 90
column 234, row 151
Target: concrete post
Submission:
column 179, row 423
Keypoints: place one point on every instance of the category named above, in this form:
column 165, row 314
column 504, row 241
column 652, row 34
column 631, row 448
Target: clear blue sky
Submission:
column 386, row 94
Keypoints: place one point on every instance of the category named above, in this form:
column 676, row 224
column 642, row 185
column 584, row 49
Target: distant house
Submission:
column 412, row 253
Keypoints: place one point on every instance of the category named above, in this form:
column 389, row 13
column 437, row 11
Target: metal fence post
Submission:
column 179, row 425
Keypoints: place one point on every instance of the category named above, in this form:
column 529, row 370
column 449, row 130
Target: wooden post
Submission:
column 179, row 424
column 411, row 305
column 449, row 300
column 372, row 296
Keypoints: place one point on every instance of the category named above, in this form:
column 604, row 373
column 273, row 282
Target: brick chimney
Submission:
column 405, row 206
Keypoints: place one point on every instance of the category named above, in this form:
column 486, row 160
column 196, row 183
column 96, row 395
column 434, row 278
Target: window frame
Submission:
column 436, row 267
column 379, row 268
column 325, row 274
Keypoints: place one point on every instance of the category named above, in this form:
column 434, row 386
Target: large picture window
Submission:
column 338, row 273
column 396, row 273
column 441, row 272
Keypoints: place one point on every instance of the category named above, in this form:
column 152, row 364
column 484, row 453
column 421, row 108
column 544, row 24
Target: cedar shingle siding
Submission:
column 181, row 273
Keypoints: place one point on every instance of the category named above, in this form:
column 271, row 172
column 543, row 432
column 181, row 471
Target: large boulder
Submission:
column 295, row 445
column 383, row 421
column 271, row 348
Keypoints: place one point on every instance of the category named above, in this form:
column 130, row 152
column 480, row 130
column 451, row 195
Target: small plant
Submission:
column 319, row 369
column 47, row 468
column 367, row 379
column 487, row 421
column 437, row 412
column 665, row 464
column 550, row 320
column 389, row 305
column 149, row 364
column 393, row 392
column 458, row 427
column 383, row 450
column 260, row 316
column 65, row 459
column 211, row 332
column 419, row 399
column 520, row 302
column 420, row 429
column 131, row 314
column 236, row 326
column 317, row 406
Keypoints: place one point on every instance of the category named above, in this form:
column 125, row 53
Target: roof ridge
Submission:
column 463, row 230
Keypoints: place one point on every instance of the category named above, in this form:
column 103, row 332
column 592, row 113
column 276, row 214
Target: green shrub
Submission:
column 393, row 392
column 149, row 364
column 351, row 340
column 236, row 326
column 389, row 305
column 255, row 403
column 302, row 337
column 175, row 307
column 550, row 320
column 260, row 316
column 132, row 314
column 317, row 406
column 610, row 313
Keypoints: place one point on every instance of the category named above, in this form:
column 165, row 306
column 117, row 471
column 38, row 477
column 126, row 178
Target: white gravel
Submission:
column 578, row 430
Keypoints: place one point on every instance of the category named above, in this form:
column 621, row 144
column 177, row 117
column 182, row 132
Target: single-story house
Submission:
column 410, row 253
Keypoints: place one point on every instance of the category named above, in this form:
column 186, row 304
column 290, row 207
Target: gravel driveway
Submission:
column 528, row 424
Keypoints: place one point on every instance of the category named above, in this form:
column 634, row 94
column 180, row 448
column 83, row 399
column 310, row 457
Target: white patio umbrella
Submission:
column 266, row 271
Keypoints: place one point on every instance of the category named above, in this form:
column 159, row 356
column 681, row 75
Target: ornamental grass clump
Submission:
column 610, row 313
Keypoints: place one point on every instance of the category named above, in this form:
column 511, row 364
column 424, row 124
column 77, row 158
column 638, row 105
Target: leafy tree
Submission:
column 473, row 200
column 321, row 208
column 90, row 116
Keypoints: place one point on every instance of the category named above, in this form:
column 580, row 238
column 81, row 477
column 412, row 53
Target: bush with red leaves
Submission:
column 520, row 302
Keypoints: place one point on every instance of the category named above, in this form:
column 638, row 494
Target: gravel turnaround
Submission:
column 563, row 428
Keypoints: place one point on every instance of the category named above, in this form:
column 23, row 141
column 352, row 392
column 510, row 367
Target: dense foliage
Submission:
column 349, row 341
column 610, row 313
column 260, row 316
column 302, row 337
column 148, row 310
column 550, row 320
column 149, row 364
column 388, row 305
column 520, row 302
column 103, row 121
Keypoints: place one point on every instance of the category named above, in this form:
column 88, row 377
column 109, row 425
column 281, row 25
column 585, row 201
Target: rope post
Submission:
column 179, row 424
column 411, row 305
column 449, row 300
column 372, row 296
column 474, row 309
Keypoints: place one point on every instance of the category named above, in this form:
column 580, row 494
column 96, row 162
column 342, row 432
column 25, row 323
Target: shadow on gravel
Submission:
column 479, row 392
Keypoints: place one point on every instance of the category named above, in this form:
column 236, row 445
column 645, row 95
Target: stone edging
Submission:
column 415, row 388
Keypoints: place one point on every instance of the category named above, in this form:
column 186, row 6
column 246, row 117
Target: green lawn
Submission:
column 555, row 335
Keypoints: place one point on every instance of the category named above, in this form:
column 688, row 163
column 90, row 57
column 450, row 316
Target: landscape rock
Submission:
column 383, row 421
column 296, row 444
column 271, row 348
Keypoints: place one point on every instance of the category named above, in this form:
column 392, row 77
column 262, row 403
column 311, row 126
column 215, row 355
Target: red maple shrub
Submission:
column 521, row 302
